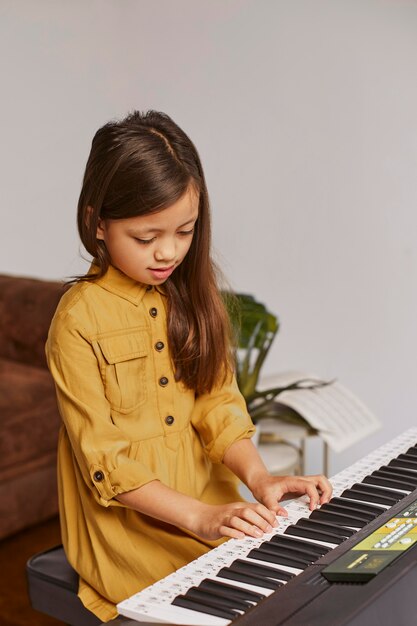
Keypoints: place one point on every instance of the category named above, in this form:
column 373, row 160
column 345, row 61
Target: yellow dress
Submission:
column 126, row 421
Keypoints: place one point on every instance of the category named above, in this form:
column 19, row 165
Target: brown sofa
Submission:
column 29, row 418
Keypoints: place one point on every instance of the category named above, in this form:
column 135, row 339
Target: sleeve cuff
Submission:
column 125, row 477
column 217, row 448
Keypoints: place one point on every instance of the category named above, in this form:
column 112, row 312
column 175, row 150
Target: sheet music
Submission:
column 334, row 411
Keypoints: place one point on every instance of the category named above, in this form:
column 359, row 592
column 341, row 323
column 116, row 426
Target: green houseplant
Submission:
column 255, row 329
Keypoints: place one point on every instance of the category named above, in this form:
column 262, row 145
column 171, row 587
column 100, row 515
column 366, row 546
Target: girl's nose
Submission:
column 165, row 251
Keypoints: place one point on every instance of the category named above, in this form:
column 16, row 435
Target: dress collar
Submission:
column 121, row 285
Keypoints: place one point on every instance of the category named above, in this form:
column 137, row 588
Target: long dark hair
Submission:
column 140, row 165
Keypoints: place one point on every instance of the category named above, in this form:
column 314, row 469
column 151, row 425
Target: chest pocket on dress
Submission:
column 125, row 370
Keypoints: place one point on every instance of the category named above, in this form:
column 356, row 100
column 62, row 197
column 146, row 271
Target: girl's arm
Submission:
column 243, row 459
column 223, row 423
column 236, row 519
column 207, row 521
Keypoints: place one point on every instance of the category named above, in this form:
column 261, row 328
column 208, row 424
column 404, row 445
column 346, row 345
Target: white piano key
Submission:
column 264, row 590
column 307, row 540
column 285, row 568
column 142, row 612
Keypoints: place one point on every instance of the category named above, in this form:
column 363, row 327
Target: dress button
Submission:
column 163, row 381
column 149, row 288
column 153, row 312
column 98, row 476
column 169, row 420
column 159, row 346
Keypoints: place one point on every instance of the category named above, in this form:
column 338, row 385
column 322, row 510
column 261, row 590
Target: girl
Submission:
column 154, row 431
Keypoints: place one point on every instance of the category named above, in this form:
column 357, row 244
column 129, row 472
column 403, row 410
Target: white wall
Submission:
column 304, row 112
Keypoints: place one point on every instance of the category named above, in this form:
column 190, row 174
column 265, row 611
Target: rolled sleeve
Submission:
column 221, row 418
column 104, row 454
column 125, row 477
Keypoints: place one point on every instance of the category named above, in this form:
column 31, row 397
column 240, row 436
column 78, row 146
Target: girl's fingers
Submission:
column 257, row 512
column 251, row 530
column 309, row 488
column 313, row 494
column 260, row 517
column 322, row 489
column 226, row 531
column 317, row 488
column 326, row 489
column 252, row 521
column 281, row 511
column 272, row 502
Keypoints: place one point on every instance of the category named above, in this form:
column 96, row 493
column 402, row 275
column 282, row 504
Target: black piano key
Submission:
column 250, row 579
column 325, row 527
column 231, row 591
column 348, row 510
column 212, row 599
column 401, row 463
column 409, row 458
column 360, row 506
column 385, row 482
column 397, row 473
column 303, row 546
column 288, row 551
column 279, row 559
column 339, row 518
column 379, row 491
column 195, row 605
column 248, row 567
column 313, row 533
column 352, row 494
column 373, row 494
column 411, row 474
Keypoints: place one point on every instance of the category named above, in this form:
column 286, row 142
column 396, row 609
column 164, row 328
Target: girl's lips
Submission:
column 163, row 272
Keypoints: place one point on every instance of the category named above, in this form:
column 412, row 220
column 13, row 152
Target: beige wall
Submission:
column 304, row 112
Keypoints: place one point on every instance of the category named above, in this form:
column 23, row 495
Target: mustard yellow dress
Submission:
column 126, row 421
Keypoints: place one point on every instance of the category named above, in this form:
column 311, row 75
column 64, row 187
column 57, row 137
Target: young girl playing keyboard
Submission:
column 155, row 430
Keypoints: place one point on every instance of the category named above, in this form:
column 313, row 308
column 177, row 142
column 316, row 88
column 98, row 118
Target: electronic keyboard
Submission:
column 323, row 567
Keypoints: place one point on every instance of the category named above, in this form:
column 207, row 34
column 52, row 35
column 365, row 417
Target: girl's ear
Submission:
column 101, row 229
column 101, row 226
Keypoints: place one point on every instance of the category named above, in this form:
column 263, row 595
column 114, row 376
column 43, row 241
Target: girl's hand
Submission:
column 271, row 489
column 243, row 459
column 237, row 520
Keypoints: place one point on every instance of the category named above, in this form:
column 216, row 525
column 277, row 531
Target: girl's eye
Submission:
column 144, row 241
column 186, row 232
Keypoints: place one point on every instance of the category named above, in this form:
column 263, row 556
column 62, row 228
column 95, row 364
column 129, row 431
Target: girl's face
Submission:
column 148, row 248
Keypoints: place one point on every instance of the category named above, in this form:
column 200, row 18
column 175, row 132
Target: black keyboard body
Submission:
column 310, row 600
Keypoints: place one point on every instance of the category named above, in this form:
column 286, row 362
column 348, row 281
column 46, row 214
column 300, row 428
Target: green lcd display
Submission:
column 368, row 557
